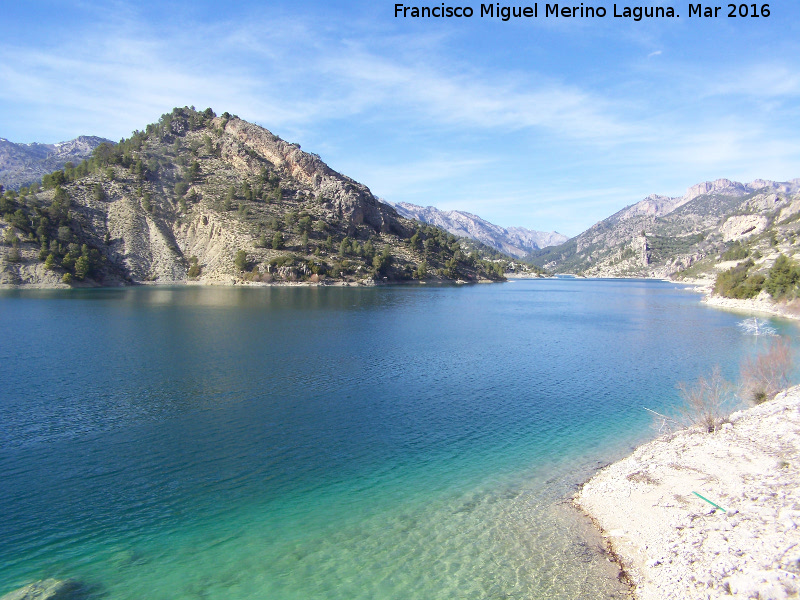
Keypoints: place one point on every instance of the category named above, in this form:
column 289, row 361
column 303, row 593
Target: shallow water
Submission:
column 404, row 442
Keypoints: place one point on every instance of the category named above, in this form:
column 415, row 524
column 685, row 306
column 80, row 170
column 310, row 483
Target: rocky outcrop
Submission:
column 348, row 198
column 742, row 226
column 514, row 241
column 48, row 589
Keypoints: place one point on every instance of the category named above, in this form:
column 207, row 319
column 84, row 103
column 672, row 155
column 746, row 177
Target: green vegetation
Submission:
column 782, row 282
column 736, row 252
column 783, row 279
column 194, row 268
column 737, row 283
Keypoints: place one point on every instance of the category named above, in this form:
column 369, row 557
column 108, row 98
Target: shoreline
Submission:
column 670, row 543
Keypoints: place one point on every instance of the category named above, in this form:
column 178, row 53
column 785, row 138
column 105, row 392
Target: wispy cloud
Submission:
column 399, row 108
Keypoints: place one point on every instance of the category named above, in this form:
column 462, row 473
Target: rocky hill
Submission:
column 215, row 199
column 23, row 164
column 514, row 241
column 687, row 235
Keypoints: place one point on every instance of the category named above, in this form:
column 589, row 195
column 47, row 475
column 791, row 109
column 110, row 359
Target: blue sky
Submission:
column 551, row 124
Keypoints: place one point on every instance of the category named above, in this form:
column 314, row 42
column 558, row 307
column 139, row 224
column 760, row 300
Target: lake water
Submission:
column 332, row 443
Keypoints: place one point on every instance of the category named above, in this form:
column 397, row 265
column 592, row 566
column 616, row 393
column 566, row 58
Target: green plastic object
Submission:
column 710, row 502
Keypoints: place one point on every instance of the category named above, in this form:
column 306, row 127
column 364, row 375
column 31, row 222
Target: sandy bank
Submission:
column 675, row 545
column 758, row 305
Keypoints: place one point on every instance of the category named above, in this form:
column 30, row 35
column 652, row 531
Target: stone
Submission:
column 48, row 589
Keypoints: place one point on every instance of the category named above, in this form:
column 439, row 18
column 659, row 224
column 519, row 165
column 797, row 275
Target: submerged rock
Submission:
column 48, row 589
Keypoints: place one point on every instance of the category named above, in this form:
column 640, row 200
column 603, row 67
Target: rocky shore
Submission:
column 761, row 304
column 672, row 543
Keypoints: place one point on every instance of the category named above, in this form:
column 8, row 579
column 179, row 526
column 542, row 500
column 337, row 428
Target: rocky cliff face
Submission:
column 23, row 164
column 196, row 197
column 514, row 241
column 662, row 236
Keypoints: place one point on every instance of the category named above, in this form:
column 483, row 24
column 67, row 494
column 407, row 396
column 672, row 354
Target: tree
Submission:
column 783, row 278
column 181, row 188
column 194, row 268
column 706, row 403
column 241, row 260
column 768, row 373
column 98, row 192
column 50, row 262
column 277, row 241
column 64, row 234
column 82, row 267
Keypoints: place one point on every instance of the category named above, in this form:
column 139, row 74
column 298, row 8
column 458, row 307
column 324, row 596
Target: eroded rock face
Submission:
column 48, row 589
column 351, row 200
column 742, row 226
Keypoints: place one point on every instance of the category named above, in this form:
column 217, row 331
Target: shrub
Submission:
column 181, row 188
column 765, row 375
column 783, row 279
column 736, row 252
column 736, row 283
column 707, row 403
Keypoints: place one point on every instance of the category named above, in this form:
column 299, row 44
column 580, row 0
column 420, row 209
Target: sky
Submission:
column 550, row 123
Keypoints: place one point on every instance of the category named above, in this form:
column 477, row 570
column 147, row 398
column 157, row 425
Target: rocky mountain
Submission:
column 215, row 199
column 514, row 241
column 23, row 164
column 662, row 236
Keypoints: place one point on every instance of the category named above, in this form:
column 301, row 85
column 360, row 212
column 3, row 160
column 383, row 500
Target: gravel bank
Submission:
column 672, row 544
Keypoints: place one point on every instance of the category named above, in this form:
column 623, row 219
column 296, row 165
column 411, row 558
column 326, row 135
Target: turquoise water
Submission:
column 304, row 443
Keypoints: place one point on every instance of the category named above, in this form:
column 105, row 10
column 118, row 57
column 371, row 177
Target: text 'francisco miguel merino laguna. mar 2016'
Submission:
column 548, row 10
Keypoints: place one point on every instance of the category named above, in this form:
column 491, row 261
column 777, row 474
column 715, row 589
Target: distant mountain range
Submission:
column 514, row 241
column 23, row 164
column 687, row 235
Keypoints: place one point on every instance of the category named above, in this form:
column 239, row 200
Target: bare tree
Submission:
column 765, row 375
column 707, row 403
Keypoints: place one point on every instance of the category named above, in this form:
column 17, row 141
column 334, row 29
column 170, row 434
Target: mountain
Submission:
column 215, row 199
column 514, row 241
column 23, row 164
column 662, row 236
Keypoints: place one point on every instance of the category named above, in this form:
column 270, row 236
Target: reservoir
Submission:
column 299, row 443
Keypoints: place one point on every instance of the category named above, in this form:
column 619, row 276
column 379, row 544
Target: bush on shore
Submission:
column 736, row 283
column 765, row 375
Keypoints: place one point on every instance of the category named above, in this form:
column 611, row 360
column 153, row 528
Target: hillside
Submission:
column 685, row 236
column 23, row 164
column 515, row 241
column 215, row 199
